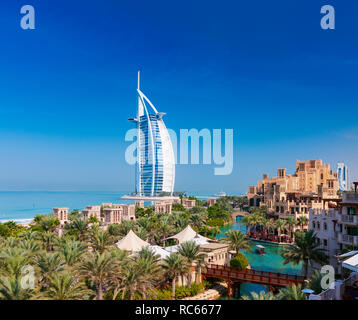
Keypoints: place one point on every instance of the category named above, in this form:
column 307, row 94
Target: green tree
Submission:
column 302, row 221
column 49, row 264
column 100, row 240
column 79, row 226
column 237, row 240
column 175, row 265
column 98, row 268
column 291, row 293
column 240, row 261
column 305, row 250
column 191, row 251
column 65, row 286
column 11, row 289
column 262, row 295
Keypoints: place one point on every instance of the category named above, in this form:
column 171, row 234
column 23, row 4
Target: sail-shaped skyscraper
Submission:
column 155, row 167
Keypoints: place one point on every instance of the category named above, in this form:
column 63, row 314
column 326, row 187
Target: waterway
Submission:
column 271, row 261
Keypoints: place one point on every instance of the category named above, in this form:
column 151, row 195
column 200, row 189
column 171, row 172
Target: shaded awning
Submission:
column 351, row 263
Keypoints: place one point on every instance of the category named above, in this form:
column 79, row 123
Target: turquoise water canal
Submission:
column 271, row 261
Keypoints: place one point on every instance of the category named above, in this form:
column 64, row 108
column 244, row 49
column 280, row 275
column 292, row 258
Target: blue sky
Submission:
column 263, row 68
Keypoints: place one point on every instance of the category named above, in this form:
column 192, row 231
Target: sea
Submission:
column 22, row 206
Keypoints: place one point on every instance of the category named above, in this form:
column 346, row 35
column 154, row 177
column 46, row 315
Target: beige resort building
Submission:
column 293, row 195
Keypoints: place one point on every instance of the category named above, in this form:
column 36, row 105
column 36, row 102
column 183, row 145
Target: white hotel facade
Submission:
column 155, row 168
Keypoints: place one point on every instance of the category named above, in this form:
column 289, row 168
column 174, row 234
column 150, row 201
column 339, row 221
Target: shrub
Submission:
column 164, row 294
column 196, row 288
column 240, row 261
column 182, row 292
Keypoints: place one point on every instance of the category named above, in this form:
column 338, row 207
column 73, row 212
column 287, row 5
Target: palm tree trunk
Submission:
column 173, row 287
column 305, row 269
column 99, row 292
column 189, row 279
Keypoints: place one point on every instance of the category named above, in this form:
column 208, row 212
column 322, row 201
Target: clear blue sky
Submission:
column 264, row 68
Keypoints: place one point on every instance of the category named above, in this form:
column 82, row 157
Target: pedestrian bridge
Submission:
column 266, row 278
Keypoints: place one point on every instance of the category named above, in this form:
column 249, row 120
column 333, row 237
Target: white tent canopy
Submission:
column 351, row 263
column 160, row 251
column 187, row 234
column 131, row 242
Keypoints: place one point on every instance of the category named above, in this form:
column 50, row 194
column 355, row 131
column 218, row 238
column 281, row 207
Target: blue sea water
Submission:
column 21, row 206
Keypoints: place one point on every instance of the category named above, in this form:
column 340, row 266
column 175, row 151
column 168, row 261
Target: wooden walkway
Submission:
column 272, row 279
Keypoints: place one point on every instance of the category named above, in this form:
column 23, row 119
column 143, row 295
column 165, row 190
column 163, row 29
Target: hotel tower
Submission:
column 155, row 168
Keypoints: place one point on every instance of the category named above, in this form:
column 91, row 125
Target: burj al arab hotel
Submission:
column 155, row 167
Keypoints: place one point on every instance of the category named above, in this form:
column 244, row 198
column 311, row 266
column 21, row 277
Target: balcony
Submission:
column 350, row 197
column 348, row 239
column 348, row 219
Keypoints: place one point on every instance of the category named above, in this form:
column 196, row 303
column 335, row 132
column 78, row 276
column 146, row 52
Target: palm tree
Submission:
column 280, row 225
column 11, row 289
column 49, row 264
column 31, row 246
column 197, row 220
column 237, row 240
column 49, row 239
column 191, row 251
column 98, row 268
column 126, row 226
column 115, row 282
column 114, row 229
column 291, row 222
column 291, row 293
column 65, row 286
column 100, row 240
column 164, row 229
column 249, row 221
column 12, row 260
column 260, row 296
column 72, row 251
column 315, row 282
column 305, row 249
column 79, row 226
column 175, row 265
column 147, row 264
column 130, row 278
column 215, row 230
column 48, row 222
column 302, row 221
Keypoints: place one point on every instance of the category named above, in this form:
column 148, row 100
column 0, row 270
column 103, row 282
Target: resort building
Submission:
column 337, row 226
column 163, row 207
column 92, row 211
column 116, row 213
column 155, row 168
column 139, row 203
column 324, row 223
column 294, row 195
column 211, row 201
column 188, row 203
column 342, row 171
column 61, row 214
